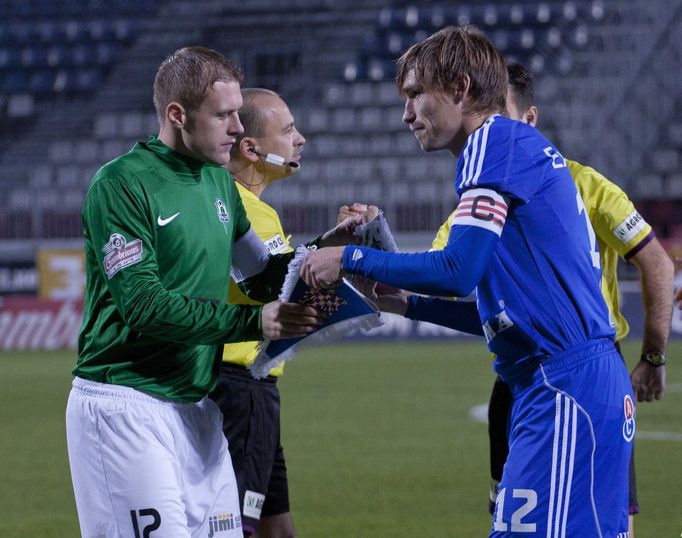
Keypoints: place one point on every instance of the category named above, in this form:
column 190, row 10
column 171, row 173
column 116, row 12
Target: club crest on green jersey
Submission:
column 119, row 254
column 223, row 215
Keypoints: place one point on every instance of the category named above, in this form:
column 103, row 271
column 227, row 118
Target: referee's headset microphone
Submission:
column 275, row 159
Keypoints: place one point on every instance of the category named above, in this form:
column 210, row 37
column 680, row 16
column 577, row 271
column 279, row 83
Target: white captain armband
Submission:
column 484, row 208
column 249, row 256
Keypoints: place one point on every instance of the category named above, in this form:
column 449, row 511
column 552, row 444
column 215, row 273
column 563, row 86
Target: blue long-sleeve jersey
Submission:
column 522, row 238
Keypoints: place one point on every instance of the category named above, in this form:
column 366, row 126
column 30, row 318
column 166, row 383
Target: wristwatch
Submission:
column 655, row 358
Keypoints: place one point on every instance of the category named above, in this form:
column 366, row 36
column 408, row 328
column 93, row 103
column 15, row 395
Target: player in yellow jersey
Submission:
column 620, row 231
column 267, row 151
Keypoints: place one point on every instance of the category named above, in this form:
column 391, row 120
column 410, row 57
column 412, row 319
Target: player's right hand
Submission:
column 288, row 320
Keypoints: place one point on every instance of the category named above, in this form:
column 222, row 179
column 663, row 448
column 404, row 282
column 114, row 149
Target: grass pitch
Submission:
column 379, row 443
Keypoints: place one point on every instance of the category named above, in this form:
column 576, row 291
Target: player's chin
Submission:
column 221, row 157
column 425, row 143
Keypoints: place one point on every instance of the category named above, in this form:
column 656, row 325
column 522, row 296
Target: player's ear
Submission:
column 248, row 149
column 176, row 115
column 461, row 89
column 532, row 116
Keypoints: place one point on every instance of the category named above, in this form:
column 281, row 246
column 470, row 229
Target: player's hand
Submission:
column 288, row 320
column 365, row 286
column 323, row 269
column 343, row 233
column 391, row 299
column 648, row 381
column 370, row 212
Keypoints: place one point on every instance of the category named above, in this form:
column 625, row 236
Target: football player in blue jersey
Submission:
column 522, row 239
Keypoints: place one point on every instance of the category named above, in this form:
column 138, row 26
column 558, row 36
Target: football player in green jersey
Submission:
column 163, row 225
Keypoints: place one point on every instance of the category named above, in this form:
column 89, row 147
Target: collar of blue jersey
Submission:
column 182, row 165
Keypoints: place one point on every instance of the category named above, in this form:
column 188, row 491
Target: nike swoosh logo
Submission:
column 163, row 222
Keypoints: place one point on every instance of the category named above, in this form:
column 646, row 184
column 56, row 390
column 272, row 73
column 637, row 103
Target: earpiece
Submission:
column 275, row 159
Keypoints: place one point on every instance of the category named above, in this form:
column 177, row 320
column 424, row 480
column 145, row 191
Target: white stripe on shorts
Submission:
column 563, row 457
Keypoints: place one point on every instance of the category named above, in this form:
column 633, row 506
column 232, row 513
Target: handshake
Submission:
column 322, row 269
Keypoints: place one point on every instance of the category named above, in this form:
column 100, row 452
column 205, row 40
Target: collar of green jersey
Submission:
column 182, row 165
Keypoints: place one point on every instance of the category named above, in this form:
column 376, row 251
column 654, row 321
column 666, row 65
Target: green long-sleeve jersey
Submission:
column 159, row 230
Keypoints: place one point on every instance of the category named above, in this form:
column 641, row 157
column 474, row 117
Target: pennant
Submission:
column 344, row 309
column 376, row 234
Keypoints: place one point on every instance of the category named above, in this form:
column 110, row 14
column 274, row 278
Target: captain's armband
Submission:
column 484, row 208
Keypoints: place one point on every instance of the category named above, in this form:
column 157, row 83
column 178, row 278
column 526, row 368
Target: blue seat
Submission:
column 9, row 58
column 23, row 34
column 14, row 81
column 41, row 82
column 87, row 80
column 33, row 57
column 57, row 56
column 81, row 55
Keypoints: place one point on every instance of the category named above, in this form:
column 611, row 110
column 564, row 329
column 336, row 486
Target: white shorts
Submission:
column 144, row 467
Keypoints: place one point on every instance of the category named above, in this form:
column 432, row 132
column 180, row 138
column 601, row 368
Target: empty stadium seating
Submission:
column 75, row 91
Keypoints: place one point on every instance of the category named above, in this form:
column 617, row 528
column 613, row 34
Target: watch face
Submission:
column 655, row 358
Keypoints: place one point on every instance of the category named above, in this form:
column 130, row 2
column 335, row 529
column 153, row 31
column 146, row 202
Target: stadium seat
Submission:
column 105, row 126
column 41, row 82
column 9, row 57
column 666, row 160
column 61, row 151
column 67, row 175
column 673, row 189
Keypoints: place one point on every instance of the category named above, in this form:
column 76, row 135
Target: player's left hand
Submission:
column 648, row 381
column 343, row 233
column 392, row 299
column 322, row 269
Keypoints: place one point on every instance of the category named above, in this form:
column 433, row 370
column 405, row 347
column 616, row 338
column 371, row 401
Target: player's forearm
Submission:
column 454, row 271
column 150, row 309
column 657, row 274
column 458, row 315
column 265, row 286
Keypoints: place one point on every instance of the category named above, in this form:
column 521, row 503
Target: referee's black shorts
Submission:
column 251, row 423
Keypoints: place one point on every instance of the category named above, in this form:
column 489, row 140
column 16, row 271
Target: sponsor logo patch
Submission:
column 276, row 244
column 120, row 254
column 630, row 227
column 253, row 504
column 223, row 215
column 501, row 322
column 629, row 424
column 357, row 255
column 223, row 522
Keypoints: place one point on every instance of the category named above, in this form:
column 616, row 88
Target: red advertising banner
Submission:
column 31, row 323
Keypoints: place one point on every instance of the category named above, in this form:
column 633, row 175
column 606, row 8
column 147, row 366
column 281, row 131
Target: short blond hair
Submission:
column 188, row 74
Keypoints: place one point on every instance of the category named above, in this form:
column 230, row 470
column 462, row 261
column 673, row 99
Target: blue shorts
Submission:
column 570, row 439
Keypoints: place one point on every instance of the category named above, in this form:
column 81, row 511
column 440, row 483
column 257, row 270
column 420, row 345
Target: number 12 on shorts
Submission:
column 147, row 529
column 517, row 525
